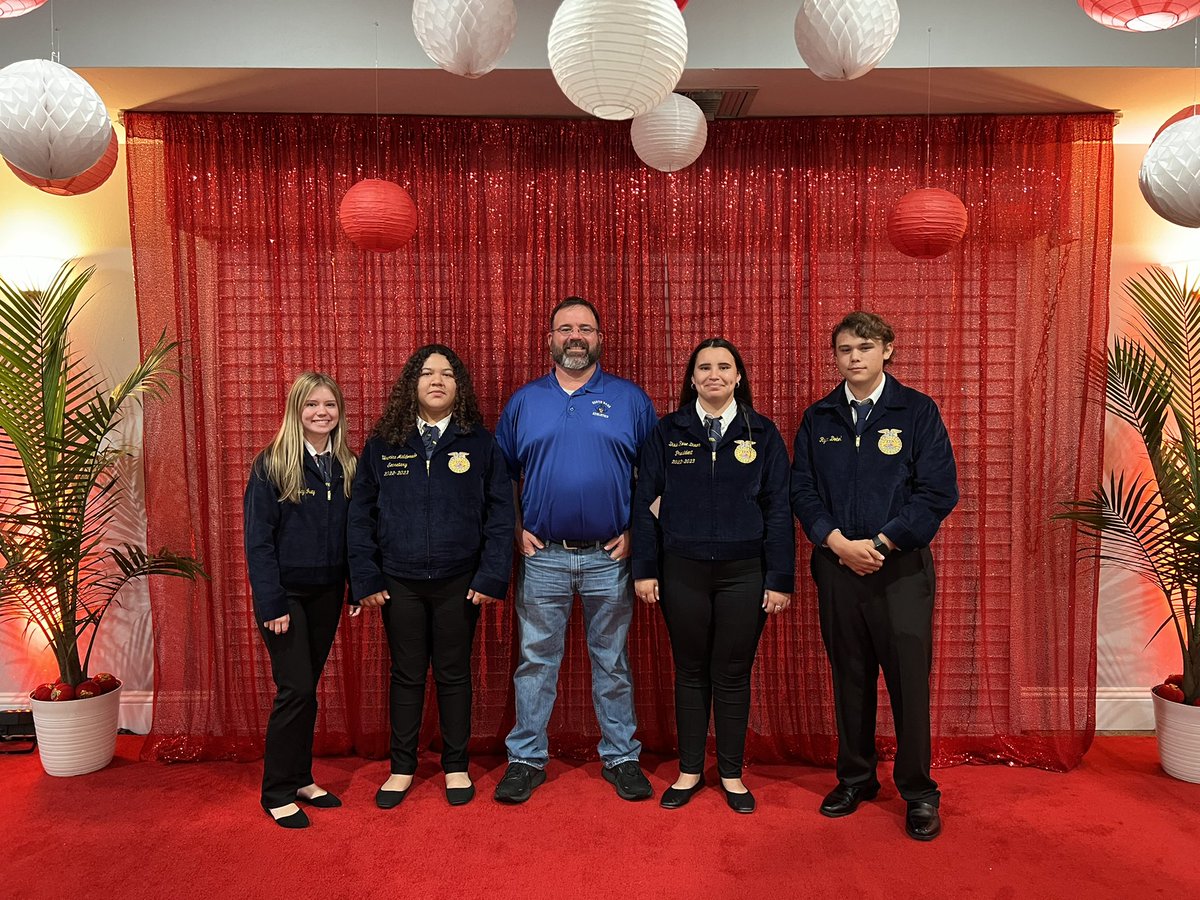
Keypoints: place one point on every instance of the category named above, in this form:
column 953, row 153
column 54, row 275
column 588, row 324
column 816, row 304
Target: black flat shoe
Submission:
column 324, row 801
column 740, row 803
column 296, row 820
column 460, row 796
column 922, row 821
column 673, row 797
column 844, row 799
column 390, row 799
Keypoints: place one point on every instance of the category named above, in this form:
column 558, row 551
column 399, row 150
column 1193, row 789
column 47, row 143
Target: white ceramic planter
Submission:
column 76, row 736
column 1178, row 729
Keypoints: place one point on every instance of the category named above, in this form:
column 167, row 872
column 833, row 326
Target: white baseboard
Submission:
column 137, row 708
column 1124, row 709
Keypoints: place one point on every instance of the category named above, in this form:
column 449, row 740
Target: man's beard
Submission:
column 575, row 363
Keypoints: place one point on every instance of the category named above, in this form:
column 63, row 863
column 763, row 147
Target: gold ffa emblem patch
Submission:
column 745, row 452
column 889, row 441
column 459, row 463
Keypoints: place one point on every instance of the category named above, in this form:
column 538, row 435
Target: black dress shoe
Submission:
column 518, row 783
column 296, row 820
column 844, row 799
column 740, row 803
column 923, row 823
column 391, row 799
column 628, row 779
column 460, row 796
column 323, row 801
column 673, row 797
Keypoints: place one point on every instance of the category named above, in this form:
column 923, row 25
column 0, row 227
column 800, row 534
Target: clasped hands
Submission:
column 859, row 556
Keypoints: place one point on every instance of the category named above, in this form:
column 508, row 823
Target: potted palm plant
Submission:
column 1148, row 522
column 60, row 491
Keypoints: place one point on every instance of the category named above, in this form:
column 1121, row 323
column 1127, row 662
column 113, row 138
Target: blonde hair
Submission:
column 283, row 460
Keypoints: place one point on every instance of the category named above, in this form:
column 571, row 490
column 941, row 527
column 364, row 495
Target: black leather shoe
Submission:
column 673, row 797
column 629, row 781
column 324, row 801
column 923, row 823
column 460, row 796
column 296, row 820
column 844, row 799
column 740, row 803
column 391, row 799
column 518, row 783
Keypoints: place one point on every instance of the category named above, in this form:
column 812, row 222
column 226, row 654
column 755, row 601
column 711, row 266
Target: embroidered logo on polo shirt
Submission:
column 458, row 462
column 889, row 441
column 600, row 408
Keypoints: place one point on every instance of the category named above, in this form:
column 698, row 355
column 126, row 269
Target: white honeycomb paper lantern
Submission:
column 617, row 59
column 1170, row 174
column 52, row 123
column 466, row 37
column 843, row 39
column 671, row 136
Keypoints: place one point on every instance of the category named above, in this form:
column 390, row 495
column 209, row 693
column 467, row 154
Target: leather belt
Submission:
column 578, row 546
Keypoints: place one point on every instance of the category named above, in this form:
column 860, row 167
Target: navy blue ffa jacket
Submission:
column 731, row 504
column 899, row 479
column 293, row 545
column 418, row 518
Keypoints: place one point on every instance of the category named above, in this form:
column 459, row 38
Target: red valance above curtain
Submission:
column 776, row 232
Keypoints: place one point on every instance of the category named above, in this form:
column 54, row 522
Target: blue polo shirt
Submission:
column 577, row 454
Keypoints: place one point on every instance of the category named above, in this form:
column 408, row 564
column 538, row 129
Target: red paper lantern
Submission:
column 10, row 9
column 1141, row 15
column 927, row 223
column 87, row 180
column 378, row 216
column 1186, row 113
column 680, row 3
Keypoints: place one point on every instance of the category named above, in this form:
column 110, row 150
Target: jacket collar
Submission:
column 416, row 443
column 687, row 420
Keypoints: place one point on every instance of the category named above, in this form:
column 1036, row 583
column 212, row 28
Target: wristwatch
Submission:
column 879, row 545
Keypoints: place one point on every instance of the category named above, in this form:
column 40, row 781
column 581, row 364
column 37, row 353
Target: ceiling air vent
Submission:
column 722, row 103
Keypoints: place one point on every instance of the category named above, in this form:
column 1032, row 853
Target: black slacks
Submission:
column 714, row 616
column 297, row 658
column 430, row 620
column 880, row 621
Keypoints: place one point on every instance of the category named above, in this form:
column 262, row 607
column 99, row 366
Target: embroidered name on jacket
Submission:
column 831, row 439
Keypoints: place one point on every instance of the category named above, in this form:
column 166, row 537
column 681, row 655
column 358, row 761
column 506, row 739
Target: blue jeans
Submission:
column 546, row 592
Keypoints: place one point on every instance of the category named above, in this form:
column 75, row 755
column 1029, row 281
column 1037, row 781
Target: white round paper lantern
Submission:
column 617, row 59
column 671, row 136
column 466, row 37
column 52, row 123
column 843, row 39
column 1170, row 174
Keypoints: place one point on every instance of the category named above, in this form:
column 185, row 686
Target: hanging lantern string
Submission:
column 1195, row 62
column 378, row 129
column 53, row 36
column 928, row 97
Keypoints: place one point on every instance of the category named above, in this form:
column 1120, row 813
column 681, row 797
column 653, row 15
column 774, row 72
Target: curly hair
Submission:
column 400, row 414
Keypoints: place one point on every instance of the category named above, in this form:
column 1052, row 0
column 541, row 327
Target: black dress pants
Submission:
column 880, row 621
column 430, row 620
column 297, row 658
column 714, row 616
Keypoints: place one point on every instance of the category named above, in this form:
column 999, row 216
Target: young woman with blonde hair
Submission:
column 295, row 531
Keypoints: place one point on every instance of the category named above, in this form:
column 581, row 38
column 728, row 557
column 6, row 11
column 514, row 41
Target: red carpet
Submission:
column 1115, row 827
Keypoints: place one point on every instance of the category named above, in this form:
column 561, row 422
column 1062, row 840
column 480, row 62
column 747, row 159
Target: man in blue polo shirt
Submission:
column 573, row 437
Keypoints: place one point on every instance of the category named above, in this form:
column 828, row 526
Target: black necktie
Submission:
column 324, row 465
column 429, row 436
column 713, row 427
column 863, row 413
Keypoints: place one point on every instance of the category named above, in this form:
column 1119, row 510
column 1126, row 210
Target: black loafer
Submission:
column 460, row 796
column 390, row 799
column 673, row 797
column 922, row 822
column 296, row 820
column 844, row 799
column 518, row 783
column 324, row 801
column 628, row 779
column 739, row 803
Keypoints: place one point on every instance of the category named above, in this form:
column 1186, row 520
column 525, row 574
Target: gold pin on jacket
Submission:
column 889, row 441
column 745, row 452
column 458, row 462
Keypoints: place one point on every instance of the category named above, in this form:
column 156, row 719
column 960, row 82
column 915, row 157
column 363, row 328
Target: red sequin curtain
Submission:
column 769, row 239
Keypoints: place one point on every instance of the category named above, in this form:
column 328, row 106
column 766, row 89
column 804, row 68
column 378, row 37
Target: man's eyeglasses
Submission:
column 565, row 330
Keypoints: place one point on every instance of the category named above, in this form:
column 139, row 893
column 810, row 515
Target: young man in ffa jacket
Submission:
column 873, row 476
